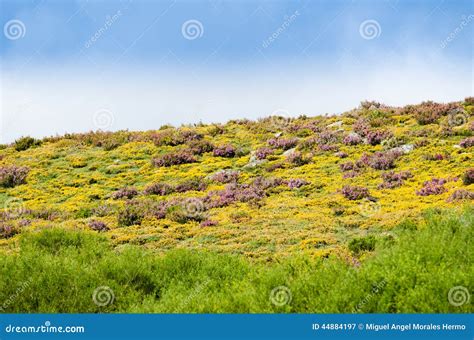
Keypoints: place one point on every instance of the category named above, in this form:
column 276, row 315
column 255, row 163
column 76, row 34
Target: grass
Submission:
column 412, row 271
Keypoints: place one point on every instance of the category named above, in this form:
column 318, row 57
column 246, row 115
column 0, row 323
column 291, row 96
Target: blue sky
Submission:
column 146, row 63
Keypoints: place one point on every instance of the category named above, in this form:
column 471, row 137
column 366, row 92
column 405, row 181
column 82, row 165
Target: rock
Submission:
column 288, row 152
column 335, row 124
column 254, row 161
column 406, row 148
column 278, row 134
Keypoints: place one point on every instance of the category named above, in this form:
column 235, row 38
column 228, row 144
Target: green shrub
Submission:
column 131, row 214
column 361, row 244
column 25, row 143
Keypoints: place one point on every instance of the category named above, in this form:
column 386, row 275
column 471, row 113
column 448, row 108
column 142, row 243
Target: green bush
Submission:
column 60, row 271
column 25, row 143
column 360, row 244
column 132, row 214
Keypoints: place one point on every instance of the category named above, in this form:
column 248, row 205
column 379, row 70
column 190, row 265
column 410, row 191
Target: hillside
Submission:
column 264, row 189
column 364, row 212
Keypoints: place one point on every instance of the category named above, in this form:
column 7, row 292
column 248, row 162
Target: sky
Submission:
column 76, row 66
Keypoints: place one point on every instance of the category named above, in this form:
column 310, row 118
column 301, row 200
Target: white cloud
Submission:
column 52, row 102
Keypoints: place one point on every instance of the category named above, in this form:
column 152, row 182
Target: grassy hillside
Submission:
column 367, row 211
column 419, row 269
column 264, row 189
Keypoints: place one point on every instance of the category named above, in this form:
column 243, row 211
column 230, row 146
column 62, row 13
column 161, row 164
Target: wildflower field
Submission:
column 282, row 214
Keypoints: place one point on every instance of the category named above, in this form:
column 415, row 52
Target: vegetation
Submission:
column 214, row 217
column 59, row 270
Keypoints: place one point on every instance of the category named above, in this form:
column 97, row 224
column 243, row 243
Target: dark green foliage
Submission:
column 58, row 271
column 25, row 143
column 361, row 244
column 131, row 214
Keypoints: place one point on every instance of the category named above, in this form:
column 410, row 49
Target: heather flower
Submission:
column 383, row 160
column 267, row 182
column 174, row 158
column 461, row 195
column 199, row 147
column 352, row 139
column 208, row 223
column 172, row 137
column 12, row 175
column 46, row 214
column 98, row 226
column 225, row 176
column 235, row 192
column 327, row 147
column 295, row 183
column 156, row 209
column 469, row 101
column 189, row 135
column 467, row 143
column 435, row 186
column 297, row 158
column 7, row 231
column 434, row 157
column 263, row 153
column 193, row 184
column 375, row 137
column 347, row 166
column 224, row 151
column 24, row 222
column 355, row 192
column 369, row 105
column 342, row 154
column 158, row 189
column 468, row 177
column 393, row 180
column 285, row 144
column 308, row 143
column 350, row 174
column 127, row 192
column 429, row 112
column 361, row 127
column 327, row 137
